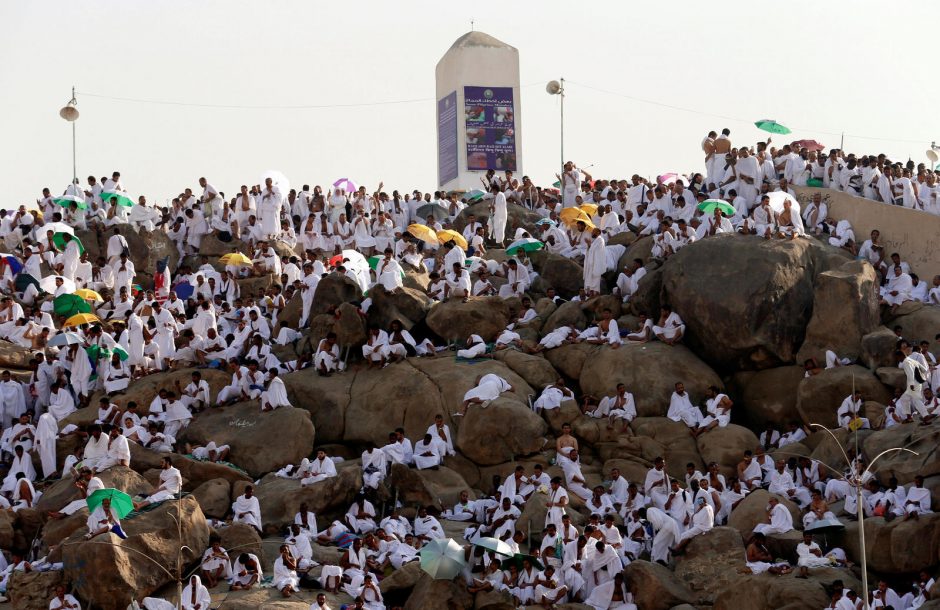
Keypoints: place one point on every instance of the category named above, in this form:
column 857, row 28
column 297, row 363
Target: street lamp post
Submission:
column 558, row 88
column 69, row 112
column 857, row 479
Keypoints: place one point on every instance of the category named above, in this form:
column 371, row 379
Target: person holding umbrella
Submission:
column 104, row 519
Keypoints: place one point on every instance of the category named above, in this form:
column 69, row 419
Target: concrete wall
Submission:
column 478, row 60
column 915, row 235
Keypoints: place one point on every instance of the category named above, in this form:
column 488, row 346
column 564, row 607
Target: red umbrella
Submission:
column 811, row 145
column 336, row 260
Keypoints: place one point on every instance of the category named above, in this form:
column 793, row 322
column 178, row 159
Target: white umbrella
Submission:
column 55, row 227
column 48, row 284
column 357, row 263
column 778, row 197
column 65, row 338
column 279, row 180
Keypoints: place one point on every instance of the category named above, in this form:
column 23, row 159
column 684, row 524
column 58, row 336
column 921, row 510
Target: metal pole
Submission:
column 861, row 539
column 562, row 93
column 74, row 164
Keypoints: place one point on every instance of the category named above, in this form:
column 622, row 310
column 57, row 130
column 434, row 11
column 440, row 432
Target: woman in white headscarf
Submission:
column 195, row 595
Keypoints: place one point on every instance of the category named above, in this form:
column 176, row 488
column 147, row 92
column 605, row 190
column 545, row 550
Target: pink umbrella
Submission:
column 667, row 178
column 811, row 145
column 346, row 184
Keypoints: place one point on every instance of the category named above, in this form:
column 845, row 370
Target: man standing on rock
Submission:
column 595, row 263
column 558, row 500
column 657, row 484
column 916, row 374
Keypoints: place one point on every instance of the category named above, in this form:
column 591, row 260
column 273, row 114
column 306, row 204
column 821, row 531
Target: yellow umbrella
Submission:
column 445, row 235
column 589, row 208
column 423, row 232
column 572, row 215
column 88, row 295
column 235, row 258
column 81, row 318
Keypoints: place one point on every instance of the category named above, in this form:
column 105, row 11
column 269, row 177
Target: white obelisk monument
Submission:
column 479, row 124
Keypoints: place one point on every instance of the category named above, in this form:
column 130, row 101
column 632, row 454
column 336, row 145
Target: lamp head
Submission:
column 553, row 87
column 69, row 112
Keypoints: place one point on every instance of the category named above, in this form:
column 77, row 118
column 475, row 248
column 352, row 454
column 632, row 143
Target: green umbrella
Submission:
column 517, row 561
column 70, row 304
column 119, row 198
column 68, row 200
column 526, row 244
column 771, row 126
column 59, row 240
column 121, row 503
column 708, row 206
column 443, row 558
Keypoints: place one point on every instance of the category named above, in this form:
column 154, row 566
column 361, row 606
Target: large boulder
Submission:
column 920, row 439
column 748, row 310
column 711, row 561
column 280, row 498
column 111, row 574
column 781, row 593
column 212, row 246
column 427, row 487
column 536, row 371
column 240, row 538
column 878, row 348
column 32, row 590
column 214, row 497
column 725, row 446
column 766, row 397
column 559, row 272
column 662, row 437
column 332, row 397
column 333, row 290
column 510, row 428
column 414, row 391
column 455, row 320
column 918, row 322
column 819, row 396
column 567, row 314
column 12, row 356
column 431, row 594
column 890, row 546
column 649, row 370
column 655, row 587
column 407, row 305
column 845, row 309
column 257, row 440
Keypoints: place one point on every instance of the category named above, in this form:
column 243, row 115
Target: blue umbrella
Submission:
column 546, row 221
column 184, row 290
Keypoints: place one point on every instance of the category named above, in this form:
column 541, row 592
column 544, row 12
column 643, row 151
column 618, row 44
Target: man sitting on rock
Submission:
column 670, row 328
column 682, row 410
column 171, row 482
column 247, row 509
column 778, row 520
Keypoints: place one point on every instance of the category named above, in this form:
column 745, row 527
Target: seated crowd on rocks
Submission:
column 120, row 364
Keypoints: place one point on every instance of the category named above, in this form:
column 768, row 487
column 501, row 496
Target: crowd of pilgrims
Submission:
column 145, row 331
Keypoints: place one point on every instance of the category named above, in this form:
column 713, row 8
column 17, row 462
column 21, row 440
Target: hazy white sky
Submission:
column 866, row 68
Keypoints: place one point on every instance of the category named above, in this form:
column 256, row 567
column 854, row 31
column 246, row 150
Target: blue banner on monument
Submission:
column 490, row 124
column 447, row 138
